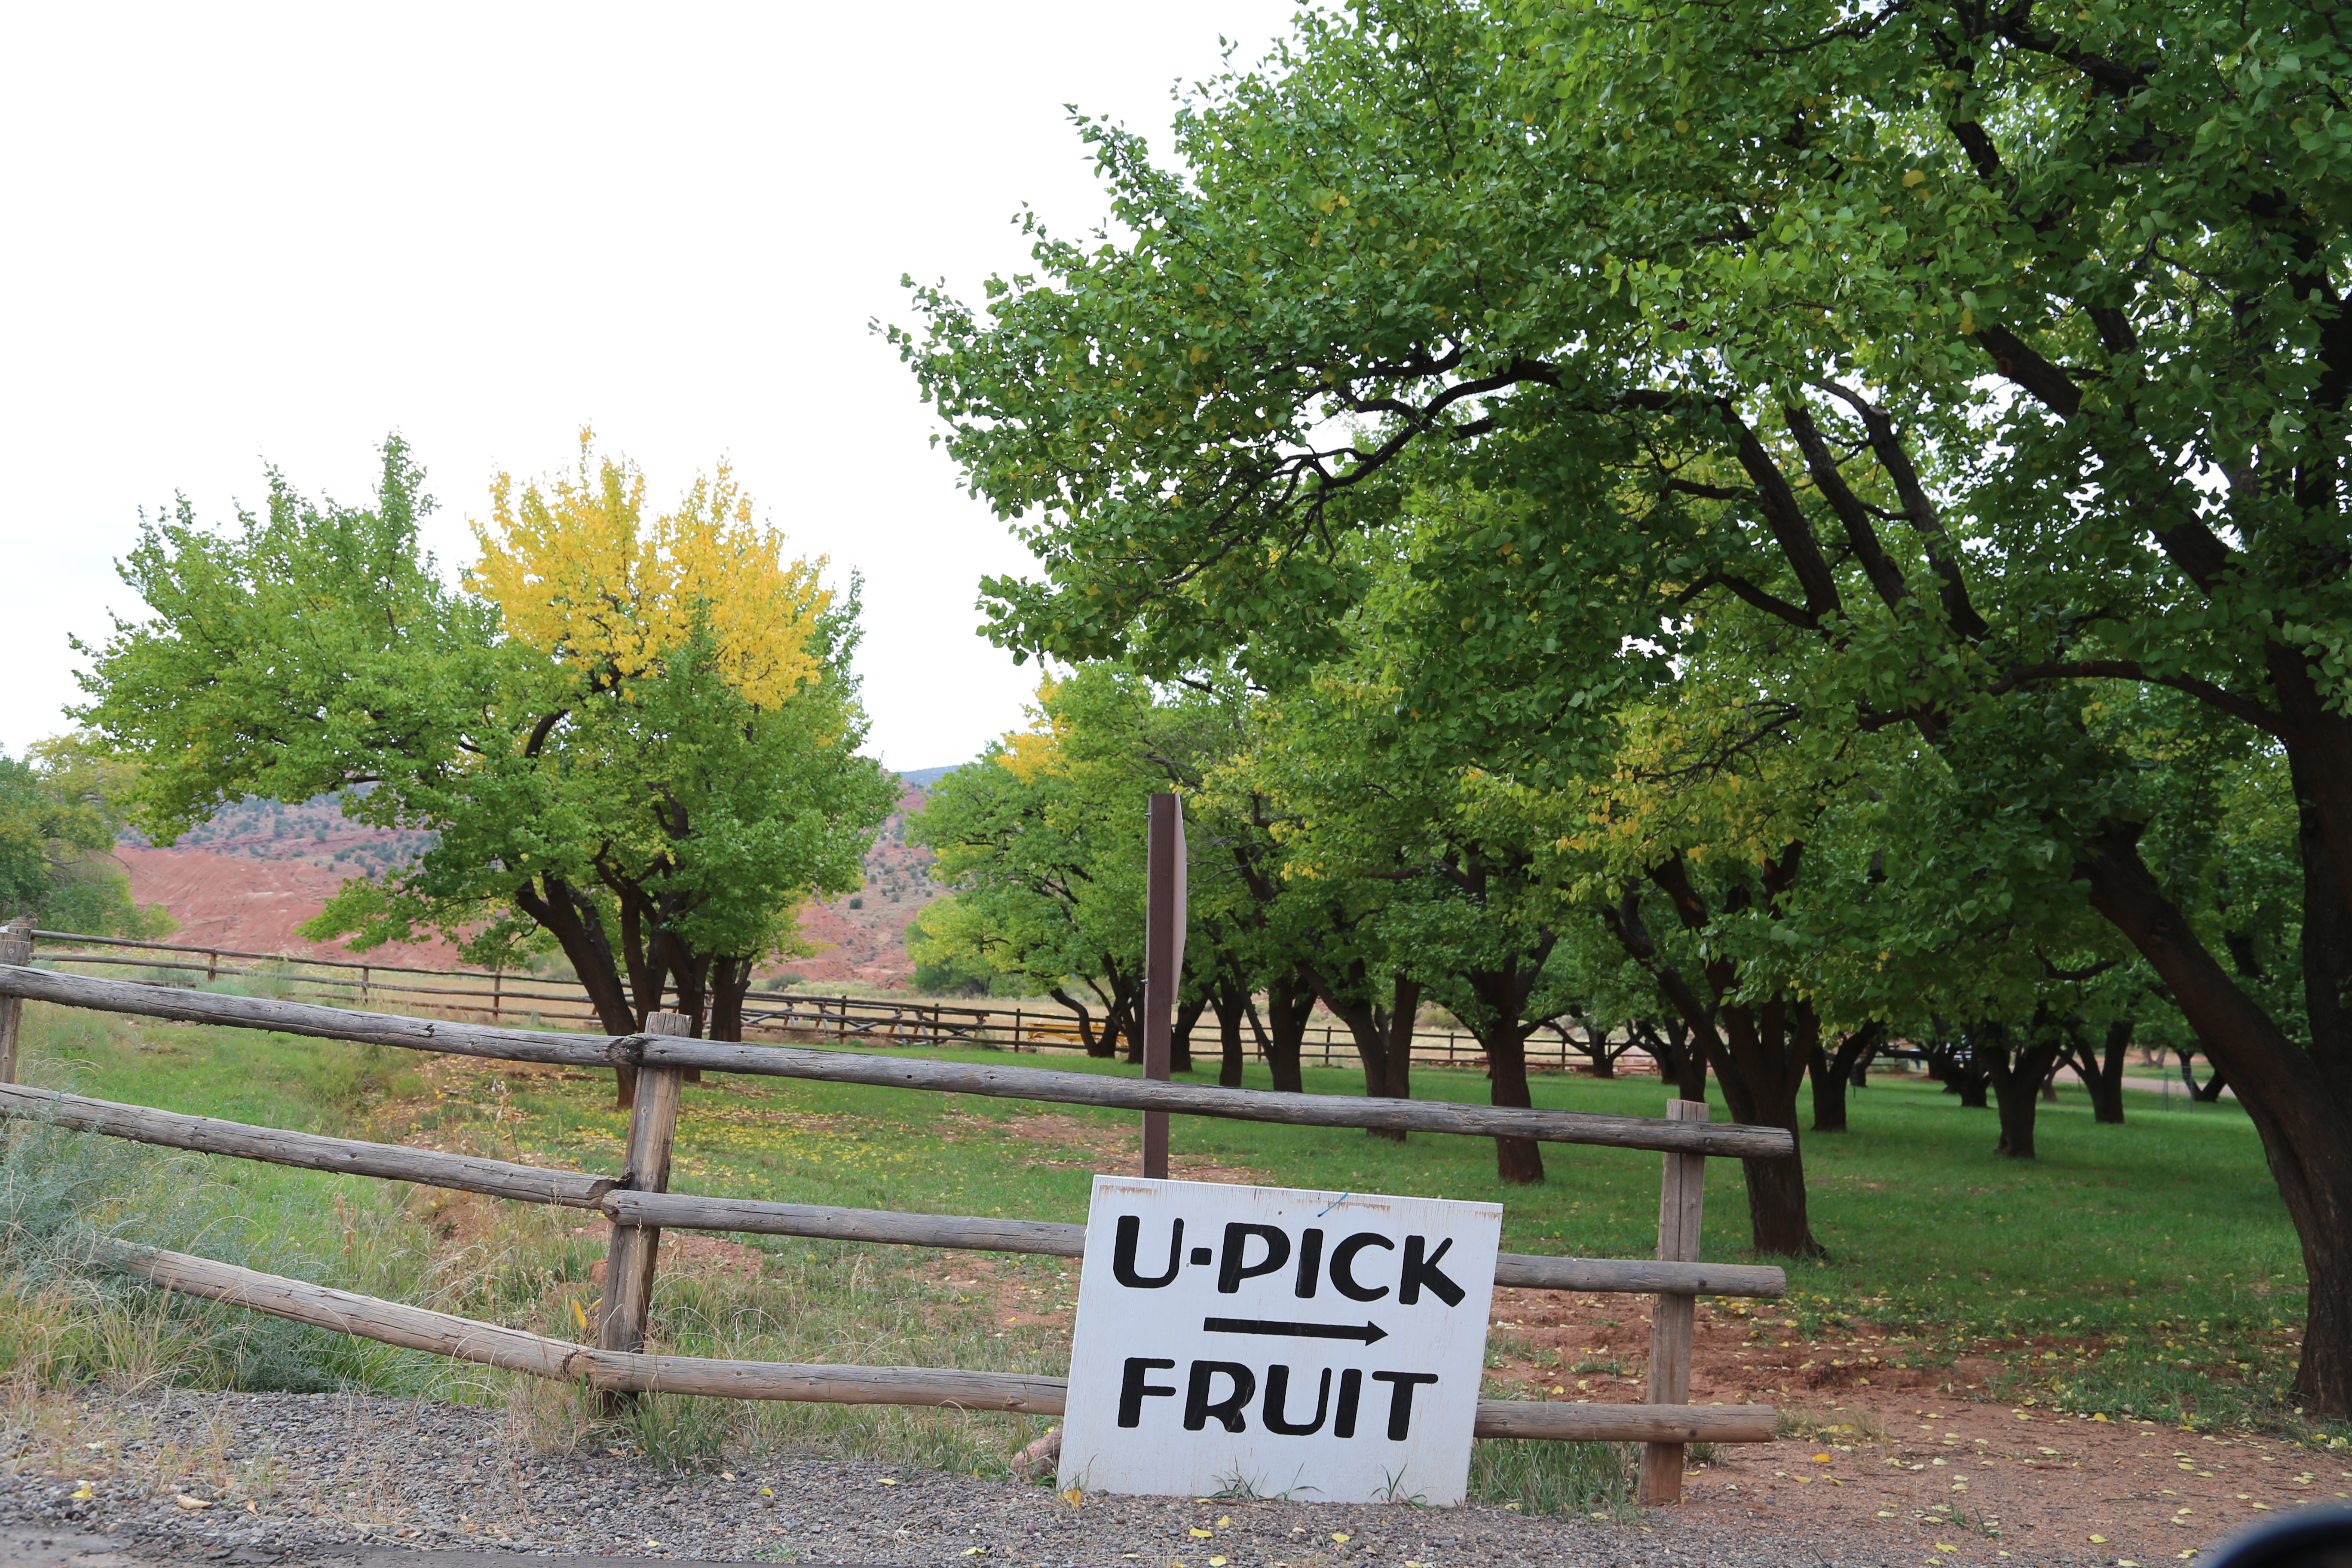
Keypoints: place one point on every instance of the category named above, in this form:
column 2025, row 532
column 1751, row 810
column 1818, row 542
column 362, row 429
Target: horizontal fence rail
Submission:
column 1729, row 1138
column 873, row 1020
column 578, row 1189
column 1047, row 1238
column 306, row 1150
column 516, row 1349
column 1042, row 1084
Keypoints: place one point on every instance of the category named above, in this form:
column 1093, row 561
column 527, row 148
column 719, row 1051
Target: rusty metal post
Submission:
column 1163, row 959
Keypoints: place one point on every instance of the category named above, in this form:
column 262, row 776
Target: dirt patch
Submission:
column 1066, row 1143
column 1885, row 1458
column 1991, row 1481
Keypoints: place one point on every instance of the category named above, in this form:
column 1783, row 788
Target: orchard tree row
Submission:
column 1848, row 499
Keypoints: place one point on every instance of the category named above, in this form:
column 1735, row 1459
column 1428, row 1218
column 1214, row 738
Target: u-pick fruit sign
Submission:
column 1326, row 1345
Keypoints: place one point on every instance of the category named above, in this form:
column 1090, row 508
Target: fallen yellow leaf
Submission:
column 185, row 1501
column 1200, row 1535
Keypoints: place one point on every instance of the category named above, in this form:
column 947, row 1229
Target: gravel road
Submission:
column 331, row 1478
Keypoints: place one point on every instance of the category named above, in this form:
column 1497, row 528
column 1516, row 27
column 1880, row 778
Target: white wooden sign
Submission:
column 1325, row 1345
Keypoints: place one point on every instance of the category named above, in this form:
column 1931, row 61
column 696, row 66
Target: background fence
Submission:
column 517, row 996
column 638, row 1201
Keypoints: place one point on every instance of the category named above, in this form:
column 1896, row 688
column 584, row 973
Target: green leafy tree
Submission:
column 1992, row 361
column 633, row 739
column 1048, row 882
column 60, row 815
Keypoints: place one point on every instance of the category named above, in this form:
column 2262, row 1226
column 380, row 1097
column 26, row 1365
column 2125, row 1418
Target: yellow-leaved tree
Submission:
column 634, row 736
column 579, row 572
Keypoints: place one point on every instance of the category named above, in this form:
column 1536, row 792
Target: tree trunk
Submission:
column 1518, row 1161
column 1288, row 1002
column 730, row 978
column 1959, row 1067
column 1682, row 1061
column 1101, row 1045
column 1371, row 1027
column 1503, row 995
column 1179, row 1036
column 2104, row 1078
column 572, row 917
column 2299, row 1100
column 2015, row 1073
column 1594, row 1046
column 1232, row 1004
column 1773, row 1046
column 1760, row 1057
column 1404, row 1009
column 2209, row 1091
column 690, row 973
column 1832, row 1073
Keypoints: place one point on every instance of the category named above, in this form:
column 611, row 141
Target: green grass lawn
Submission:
column 2148, row 1268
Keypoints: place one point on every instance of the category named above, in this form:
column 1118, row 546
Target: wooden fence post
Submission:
column 629, row 1267
column 15, row 947
column 1681, row 1193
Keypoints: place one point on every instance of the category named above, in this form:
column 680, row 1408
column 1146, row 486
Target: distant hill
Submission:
column 258, row 868
column 924, row 778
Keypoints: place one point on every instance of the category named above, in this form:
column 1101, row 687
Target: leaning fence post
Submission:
column 629, row 1267
column 1681, row 1193
column 15, row 947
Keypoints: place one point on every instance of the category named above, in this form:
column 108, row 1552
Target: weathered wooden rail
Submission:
column 882, row 1021
column 641, row 1207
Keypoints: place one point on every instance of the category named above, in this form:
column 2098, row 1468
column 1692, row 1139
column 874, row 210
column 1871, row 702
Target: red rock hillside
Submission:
column 248, row 877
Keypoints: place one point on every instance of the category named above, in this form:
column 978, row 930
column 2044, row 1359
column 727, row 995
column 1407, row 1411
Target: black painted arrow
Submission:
column 1371, row 1333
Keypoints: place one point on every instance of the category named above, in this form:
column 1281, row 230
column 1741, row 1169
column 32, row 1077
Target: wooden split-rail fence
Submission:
column 641, row 1207
column 504, row 995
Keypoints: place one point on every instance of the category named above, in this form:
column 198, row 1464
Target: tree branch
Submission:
column 2266, row 719
column 1884, row 574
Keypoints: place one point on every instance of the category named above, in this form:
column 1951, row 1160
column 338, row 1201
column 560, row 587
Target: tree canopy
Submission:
column 634, row 736
column 1972, row 382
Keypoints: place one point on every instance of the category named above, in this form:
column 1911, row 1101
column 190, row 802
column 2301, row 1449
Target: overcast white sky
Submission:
column 240, row 233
